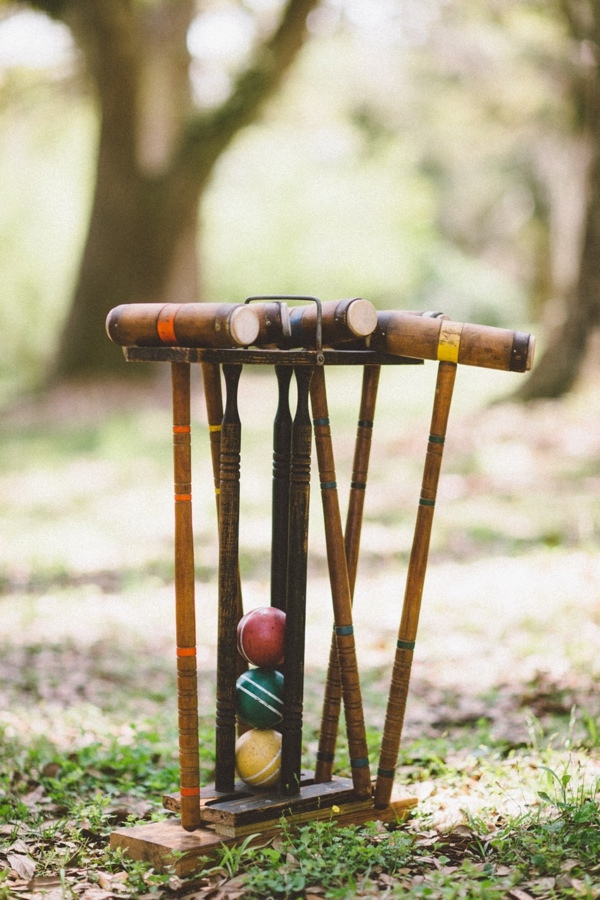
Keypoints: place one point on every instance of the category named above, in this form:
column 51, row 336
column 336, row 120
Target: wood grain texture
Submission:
column 333, row 685
column 227, row 655
column 340, row 590
column 293, row 684
column 185, row 612
column 480, row 345
column 355, row 356
column 417, row 568
column 182, row 324
column 341, row 321
column 213, row 398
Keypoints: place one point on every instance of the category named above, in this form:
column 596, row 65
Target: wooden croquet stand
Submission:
column 230, row 812
column 228, row 817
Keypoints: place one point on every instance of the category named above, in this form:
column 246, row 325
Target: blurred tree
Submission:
column 560, row 364
column 156, row 152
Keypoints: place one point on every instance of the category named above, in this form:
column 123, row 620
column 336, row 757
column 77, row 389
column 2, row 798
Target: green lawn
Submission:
column 501, row 738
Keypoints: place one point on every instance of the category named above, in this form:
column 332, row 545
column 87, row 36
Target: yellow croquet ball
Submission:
column 258, row 757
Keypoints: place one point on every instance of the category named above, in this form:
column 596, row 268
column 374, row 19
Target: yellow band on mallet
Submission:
column 449, row 341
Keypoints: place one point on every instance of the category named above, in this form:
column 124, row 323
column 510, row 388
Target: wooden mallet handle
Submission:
column 282, row 449
column 185, row 615
column 415, row 580
column 228, row 617
column 293, row 683
column 340, row 591
column 213, row 398
column 333, row 686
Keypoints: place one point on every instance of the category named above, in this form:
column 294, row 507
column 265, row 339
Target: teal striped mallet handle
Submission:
column 332, row 700
column 340, row 591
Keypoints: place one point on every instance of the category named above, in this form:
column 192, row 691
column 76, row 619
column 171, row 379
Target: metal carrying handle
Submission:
column 299, row 297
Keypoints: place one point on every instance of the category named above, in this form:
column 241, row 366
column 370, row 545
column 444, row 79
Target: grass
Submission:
column 501, row 741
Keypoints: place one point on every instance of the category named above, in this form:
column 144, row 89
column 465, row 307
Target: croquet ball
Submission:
column 259, row 697
column 258, row 757
column 260, row 636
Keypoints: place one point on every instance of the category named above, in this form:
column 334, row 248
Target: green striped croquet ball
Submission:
column 259, row 697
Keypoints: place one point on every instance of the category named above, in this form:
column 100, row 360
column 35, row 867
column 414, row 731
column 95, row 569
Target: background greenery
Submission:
column 413, row 164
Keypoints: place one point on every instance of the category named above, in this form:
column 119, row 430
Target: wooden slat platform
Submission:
column 166, row 844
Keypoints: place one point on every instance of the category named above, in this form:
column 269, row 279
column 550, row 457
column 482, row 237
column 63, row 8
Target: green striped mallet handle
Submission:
column 415, row 579
column 333, row 686
column 340, row 591
column 185, row 613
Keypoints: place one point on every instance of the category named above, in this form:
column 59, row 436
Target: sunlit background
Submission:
column 415, row 156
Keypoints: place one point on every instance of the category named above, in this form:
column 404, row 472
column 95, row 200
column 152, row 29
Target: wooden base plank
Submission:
column 237, row 812
column 209, row 796
column 165, row 845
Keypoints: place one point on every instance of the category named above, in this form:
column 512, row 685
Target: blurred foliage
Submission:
column 410, row 158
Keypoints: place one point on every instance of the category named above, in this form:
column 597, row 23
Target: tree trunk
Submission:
column 141, row 238
column 155, row 157
column 134, row 252
column 560, row 364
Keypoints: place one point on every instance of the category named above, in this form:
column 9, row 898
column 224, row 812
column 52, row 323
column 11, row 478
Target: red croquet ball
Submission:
column 260, row 636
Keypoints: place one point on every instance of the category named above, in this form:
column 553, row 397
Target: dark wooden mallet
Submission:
column 282, row 450
column 228, row 588
column 293, row 684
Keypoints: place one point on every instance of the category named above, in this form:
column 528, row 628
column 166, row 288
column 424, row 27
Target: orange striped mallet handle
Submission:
column 415, row 580
column 185, row 615
column 333, row 686
column 227, row 655
column 340, row 591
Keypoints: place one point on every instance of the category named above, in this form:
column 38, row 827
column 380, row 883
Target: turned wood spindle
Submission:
column 185, row 614
column 227, row 655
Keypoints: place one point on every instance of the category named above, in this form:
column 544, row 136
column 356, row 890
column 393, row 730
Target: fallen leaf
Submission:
column 502, row 871
column 24, row 866
column 19, row 846
column 517, row 894
column 544, row 884
column 96, row 893
column 42, row 882
column 34, row 797
column 237, row 882
column 570, row 864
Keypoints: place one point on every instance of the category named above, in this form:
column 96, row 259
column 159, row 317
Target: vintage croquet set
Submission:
column 260, row 654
